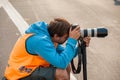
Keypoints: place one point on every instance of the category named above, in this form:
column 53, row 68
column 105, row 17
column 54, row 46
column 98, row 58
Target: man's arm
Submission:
column 45, row 48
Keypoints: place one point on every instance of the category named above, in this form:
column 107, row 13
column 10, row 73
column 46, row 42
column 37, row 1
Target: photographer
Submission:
column 39, row 55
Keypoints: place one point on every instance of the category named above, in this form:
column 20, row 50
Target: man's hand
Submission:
column 87, row 40
column 75, row 33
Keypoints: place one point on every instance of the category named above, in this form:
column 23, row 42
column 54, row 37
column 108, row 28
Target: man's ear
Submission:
column 56, row 36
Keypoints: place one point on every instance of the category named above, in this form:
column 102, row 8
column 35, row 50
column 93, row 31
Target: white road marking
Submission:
column 72, row 77
column 0, row 4
column 18, row 20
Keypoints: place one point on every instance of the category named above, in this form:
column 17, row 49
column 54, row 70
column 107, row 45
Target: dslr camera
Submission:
column 91, row 32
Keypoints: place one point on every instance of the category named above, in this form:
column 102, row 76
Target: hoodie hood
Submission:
column 37, row 28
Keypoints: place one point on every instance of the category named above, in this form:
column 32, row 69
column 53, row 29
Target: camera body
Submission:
column 92, row 32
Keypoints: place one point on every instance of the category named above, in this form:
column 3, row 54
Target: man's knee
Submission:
column 61, row 74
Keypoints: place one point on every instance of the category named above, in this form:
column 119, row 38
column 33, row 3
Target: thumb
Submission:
column 70, row 29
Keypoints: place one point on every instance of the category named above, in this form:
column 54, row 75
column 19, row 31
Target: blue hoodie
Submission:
column 40, row 43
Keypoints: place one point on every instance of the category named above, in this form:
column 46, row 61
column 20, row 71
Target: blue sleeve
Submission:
column 45, row 48
column 76, row 49
column 60, row 48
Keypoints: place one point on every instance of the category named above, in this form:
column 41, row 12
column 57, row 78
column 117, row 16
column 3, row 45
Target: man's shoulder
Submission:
column 39, row 38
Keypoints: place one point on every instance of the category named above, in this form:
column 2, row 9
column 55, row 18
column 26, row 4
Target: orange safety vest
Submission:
column 22, row 63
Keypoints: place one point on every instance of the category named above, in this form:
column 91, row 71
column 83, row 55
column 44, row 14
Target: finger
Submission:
column 87, row 45
column 77, row 28
column 70, row 29
column 88, row 41
column 87, row 38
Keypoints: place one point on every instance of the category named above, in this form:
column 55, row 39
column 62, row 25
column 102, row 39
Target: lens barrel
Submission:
column 94, row 32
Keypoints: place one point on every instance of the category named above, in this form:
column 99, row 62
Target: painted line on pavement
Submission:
column 0, row 4
column 18, row 20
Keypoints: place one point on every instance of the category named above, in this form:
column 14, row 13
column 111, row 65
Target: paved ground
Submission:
column 8, row 36
column 103, row 54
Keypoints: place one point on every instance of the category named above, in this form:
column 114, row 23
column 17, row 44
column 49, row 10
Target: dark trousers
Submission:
column 41, row 73
column 4, row 78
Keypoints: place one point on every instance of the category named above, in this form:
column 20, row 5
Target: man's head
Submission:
column 59, row 30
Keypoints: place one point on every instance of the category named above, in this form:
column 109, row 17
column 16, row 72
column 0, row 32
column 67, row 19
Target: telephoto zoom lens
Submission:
column 94, row 32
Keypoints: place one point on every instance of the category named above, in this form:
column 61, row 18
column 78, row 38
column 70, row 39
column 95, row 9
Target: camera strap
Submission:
column 78, row 70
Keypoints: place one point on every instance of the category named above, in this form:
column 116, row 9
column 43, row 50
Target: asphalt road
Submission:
column 103, row 54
